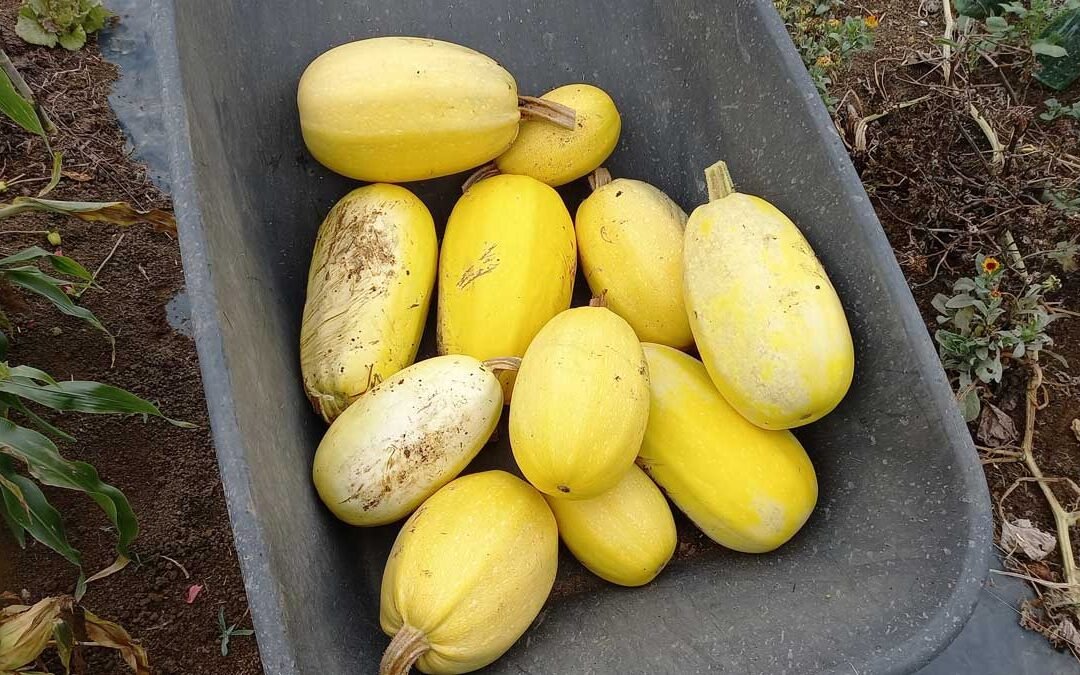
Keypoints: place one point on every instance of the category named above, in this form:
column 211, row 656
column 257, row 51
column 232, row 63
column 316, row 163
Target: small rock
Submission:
column 56, row 330
column 923, row 23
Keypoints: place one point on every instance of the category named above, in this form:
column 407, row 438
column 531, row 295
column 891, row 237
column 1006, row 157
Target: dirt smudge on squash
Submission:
column 487, row 264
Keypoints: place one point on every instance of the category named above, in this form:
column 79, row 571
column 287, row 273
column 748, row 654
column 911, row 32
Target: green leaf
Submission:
column 54, row 178
column 31, row 373
column 116, row 213
column 96, row 18
column 87, row 397
column 42, row 521
column 3, row 340
column 17, row 108
column 970, row 405
column 44, row 462
column 1048, row 49
column 43, row 425
column 61, row 263
column 31, row 30
column 17, row 531
column 74, row 40
column 35, row 281
column 64, row 641
column 997, row 24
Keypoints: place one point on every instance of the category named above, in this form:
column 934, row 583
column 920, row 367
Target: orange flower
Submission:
column 871, row 22
column 833, row 23
column 995, row 293
column 824, row 61
column 990, row 265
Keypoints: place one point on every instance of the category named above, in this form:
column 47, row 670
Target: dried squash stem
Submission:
column 510, row 363
column 486, row 171
column 718, row 178
column 407, row 646
column 533, row 108
column 599, row 178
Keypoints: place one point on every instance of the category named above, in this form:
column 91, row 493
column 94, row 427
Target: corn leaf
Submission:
column 17, row 108
column 54, row 178
column 117, row 213
column 41, row 520
column 42, row 425
column 108, row 634
column 64, row 641
column 50, row 288
column 60, row 263
column 17, row 531
column 45, row 464
column 31, row 373
column 84, row 396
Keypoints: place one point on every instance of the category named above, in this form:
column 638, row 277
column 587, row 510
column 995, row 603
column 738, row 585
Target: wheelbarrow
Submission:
column 889, row 566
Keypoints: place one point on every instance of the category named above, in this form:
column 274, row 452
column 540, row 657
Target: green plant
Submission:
column 1066, row 254
column 1067, row 201
column 982, row 324
column 824, row 39
column 23, row 506
column 60, row 22
column 227, row 632
column 1055, row 109
column 1018, row 28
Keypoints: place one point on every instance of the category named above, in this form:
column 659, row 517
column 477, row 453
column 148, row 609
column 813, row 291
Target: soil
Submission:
column 925, row 168
column 169, row 474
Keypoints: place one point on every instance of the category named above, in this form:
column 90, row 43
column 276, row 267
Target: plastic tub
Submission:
column 889, row 566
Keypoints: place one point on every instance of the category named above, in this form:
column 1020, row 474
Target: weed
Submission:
column 982, row 324
column 1055, row 110
column 1066, row 201
column 1066, row 254
column 825, row 39
column 60, row 22
column 1017, row 29
column 226, row 632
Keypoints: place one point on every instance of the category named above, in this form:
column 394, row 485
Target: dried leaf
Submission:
column 1067, row 632
column 1076, row 428
column 192, row 593
column 996, row 428
column 109, row 634
column 78, row 176
column 25, row 634
column 1021, row 534
column 117, row 213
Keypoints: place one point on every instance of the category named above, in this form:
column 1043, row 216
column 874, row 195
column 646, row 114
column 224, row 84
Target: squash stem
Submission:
column 718, row 178
column 533, row 108
column 407, row 646
column 486, row 171
column 510, row 363
column 599, row 178
column 599, row 300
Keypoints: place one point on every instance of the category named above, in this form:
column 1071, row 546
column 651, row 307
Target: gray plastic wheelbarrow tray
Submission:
column 888, row 568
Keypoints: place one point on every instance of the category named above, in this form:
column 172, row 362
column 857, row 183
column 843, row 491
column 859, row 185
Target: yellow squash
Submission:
column 747, row 488
column 630, row 236
column 766, row 319
column 368, row 291
column 406, row 438
column 398, row 109
column 468, row 573
column 626, row 535
column 580, row 404
column 508, row 262
column 556, row 155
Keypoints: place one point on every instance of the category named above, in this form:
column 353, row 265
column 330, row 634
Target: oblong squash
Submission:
column 580, row 404
column 468, row 573
column 399, row 109
column 509, row 256
column 625, row 536
column 555, row 155
column 747, row 488
column 767, row 321
column 630, row 236
column 368, row 291
column 406, row 438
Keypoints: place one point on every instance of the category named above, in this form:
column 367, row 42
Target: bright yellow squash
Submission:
column 630, row 236
column 508, row 262
column 625, row 536
column 406, row 438
column 747, row 488
column 766, row 319
column 580, row 404
column 368, row 290
column 467, row 575
column 398, row 109
column 556, row 155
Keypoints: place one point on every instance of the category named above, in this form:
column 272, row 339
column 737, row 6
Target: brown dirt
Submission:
column 926, row 173
column 169, row 474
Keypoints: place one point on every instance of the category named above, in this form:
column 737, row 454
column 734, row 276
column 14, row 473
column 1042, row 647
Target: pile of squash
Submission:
column 609, row 411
